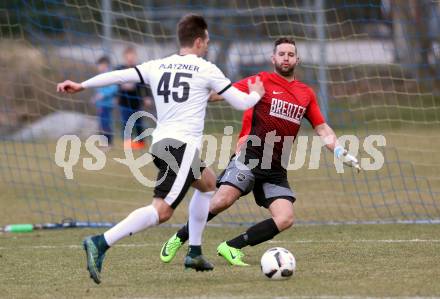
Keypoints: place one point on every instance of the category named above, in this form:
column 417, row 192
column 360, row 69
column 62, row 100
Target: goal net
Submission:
column 373, row 64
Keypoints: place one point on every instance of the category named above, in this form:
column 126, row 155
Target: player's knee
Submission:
column 209, row 180
column 284, row 222
column 165, row 215
column 289, row 222
column 164, row 211
column 210, row 186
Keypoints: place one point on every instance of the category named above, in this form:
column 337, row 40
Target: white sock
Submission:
column 137, row 221
column 198, row 214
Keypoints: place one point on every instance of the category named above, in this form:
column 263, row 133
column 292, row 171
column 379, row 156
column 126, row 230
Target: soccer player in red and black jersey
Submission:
column 263, row 150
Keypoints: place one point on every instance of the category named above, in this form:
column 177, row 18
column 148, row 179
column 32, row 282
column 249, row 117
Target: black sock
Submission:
column 238, row 242
column 194, row 250
column 259, row 233
column 100, row 243
column 183, row 233
column 210, row 216
column 110, row 139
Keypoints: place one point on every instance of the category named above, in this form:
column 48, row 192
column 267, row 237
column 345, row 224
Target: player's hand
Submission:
column 349, row 160
column 214, row 97
column 257, row 86
column 69, row 87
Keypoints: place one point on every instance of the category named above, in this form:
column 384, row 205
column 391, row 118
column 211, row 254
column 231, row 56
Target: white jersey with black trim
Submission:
column 181, row 85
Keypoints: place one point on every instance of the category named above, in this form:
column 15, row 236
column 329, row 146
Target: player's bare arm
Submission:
column 331, row 142
column 327, row 135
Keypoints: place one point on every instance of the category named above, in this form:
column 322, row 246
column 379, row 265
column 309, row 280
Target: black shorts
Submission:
column 266, row 188
column 179, row 166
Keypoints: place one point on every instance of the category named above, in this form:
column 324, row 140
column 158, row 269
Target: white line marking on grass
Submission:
column 359, row 241
column 386, row 241
column 351, row 297
column 299, row 297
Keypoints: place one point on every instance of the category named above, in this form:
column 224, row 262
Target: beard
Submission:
column 285, row 71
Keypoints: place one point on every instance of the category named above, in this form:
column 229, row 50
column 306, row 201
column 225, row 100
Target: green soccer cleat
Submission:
column 94, row 259
column 231, row 254
column 170, row 248
column 198, row 263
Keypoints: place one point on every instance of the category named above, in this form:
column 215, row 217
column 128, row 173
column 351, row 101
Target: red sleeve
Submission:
column 313, row 113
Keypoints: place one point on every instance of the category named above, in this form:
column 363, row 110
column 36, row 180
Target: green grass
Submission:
column 356, row 260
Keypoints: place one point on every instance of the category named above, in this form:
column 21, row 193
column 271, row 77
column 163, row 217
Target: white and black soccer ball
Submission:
column 278, row 263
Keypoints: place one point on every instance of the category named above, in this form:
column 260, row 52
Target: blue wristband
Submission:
column 338, row 151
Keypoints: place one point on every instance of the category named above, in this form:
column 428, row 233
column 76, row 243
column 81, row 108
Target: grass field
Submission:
column 355, row 261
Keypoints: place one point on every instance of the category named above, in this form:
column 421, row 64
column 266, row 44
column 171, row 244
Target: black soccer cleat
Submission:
column 198, row 263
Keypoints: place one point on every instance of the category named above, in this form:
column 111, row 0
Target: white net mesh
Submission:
column 375, row 69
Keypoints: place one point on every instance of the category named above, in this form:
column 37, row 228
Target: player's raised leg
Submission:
column 231, row 188
column 175, row 161
column 281, row 210
column 223, row 198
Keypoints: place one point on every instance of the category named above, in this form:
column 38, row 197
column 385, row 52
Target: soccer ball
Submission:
column 278, row 263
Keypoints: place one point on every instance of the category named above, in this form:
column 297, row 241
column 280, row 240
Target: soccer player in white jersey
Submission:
column 181, row 85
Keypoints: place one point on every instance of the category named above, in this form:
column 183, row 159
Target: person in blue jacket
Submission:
column 104, row 101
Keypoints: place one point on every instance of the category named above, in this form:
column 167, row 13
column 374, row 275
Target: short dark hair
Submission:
column 189, row 28
column 283, row 40
column 103, row 60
